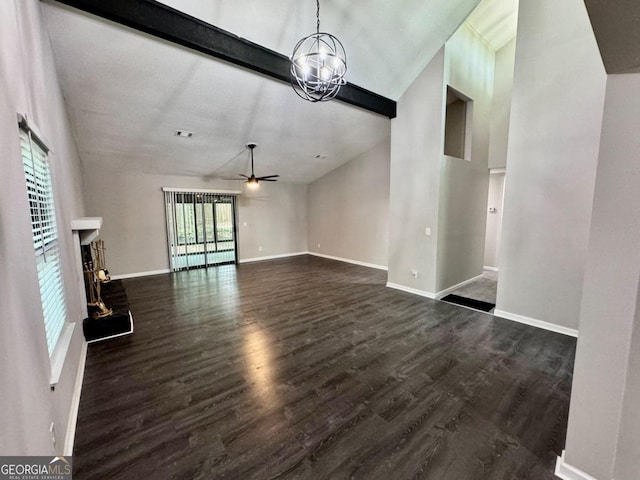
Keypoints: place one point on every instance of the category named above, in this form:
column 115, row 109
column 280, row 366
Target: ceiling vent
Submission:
column 183, row 133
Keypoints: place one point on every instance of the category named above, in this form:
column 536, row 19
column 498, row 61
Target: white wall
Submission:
column 349, row 209
column 554, row 136
column 28, row 85
column 501, row 106
column 134, row 225
column 603, row 437
column 431, row 190
column 462, row 199
column 416, row 149
column 494, row 220
column 628, row 448
column 498, row 142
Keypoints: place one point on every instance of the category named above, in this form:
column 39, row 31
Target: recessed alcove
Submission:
column 457, row 128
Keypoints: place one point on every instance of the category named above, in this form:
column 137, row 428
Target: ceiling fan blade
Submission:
column 268, row 176
column 229, row 178
column 267, row 179
column 243, row 175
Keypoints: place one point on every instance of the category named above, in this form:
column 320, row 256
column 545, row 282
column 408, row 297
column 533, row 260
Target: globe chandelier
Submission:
column 318, row 65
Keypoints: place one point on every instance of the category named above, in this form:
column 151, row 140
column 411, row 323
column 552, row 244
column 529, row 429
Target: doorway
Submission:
column 495, row 203
column 480, row 293
column 201, row 229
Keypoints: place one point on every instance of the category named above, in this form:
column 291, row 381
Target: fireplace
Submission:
column 105, row 305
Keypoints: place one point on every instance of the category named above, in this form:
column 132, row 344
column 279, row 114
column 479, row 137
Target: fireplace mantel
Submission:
column 88, row 228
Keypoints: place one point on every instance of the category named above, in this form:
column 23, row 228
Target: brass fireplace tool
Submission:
column 96, row 274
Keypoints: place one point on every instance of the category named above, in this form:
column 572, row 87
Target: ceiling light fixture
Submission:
column 252, row 181
column 318, row 65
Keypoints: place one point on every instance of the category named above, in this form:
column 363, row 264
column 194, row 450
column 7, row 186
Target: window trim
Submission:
column 62, row 343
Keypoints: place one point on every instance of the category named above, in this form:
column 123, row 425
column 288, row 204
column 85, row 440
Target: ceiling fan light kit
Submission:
column 318, row 65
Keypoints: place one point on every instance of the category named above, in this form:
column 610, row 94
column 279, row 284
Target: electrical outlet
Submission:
column 318, row 245
column 414, row 273
column 260, row 248
column 244, row 224
column 52, row 436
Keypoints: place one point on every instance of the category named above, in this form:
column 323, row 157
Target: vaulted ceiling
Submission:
column 127, row 92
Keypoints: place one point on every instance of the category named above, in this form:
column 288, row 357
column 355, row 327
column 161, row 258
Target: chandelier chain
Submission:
column 318, row 15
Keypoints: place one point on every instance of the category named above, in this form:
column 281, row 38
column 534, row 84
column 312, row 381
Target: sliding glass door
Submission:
column 200, row 229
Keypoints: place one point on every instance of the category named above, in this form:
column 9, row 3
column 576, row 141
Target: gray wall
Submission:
column 348, row 209
column 28, row 85
column 462, row 198
column 556, row 116
column 494, row 220
column 501, row 106
column 455, row 128
column 134, row 228
column 416, row 149
column 606, row 388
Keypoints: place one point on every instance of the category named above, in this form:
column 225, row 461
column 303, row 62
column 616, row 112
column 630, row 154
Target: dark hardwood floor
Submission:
column 312, row 369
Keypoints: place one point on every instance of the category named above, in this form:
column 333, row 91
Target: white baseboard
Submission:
column 447, row 291
column 536, row 323
column 271, row 257
column 415, row 291
column 75, row 404
column 140, row 274
column 568, row 472
column 348, row 260
column 491, row 269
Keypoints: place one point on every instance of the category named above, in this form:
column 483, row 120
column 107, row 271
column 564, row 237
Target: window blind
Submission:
column 45, row 235
column 201, row 228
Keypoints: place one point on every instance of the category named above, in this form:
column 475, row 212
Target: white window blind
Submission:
column 201, row 228
column 45, row 234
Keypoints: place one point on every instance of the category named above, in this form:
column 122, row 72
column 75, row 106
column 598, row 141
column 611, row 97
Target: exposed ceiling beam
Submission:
column 167, row 23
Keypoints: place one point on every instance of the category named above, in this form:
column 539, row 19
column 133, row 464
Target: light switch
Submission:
column 427, row 231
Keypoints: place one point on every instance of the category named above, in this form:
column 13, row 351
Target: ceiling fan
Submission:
column 253, row 181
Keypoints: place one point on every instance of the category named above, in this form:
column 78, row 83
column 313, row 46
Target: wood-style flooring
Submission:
column 306, row 368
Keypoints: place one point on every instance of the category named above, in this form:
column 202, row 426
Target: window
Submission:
column 200, row 228
column 45, row 234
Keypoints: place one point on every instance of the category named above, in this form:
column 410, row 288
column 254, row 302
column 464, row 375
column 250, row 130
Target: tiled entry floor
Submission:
column 481, row 289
